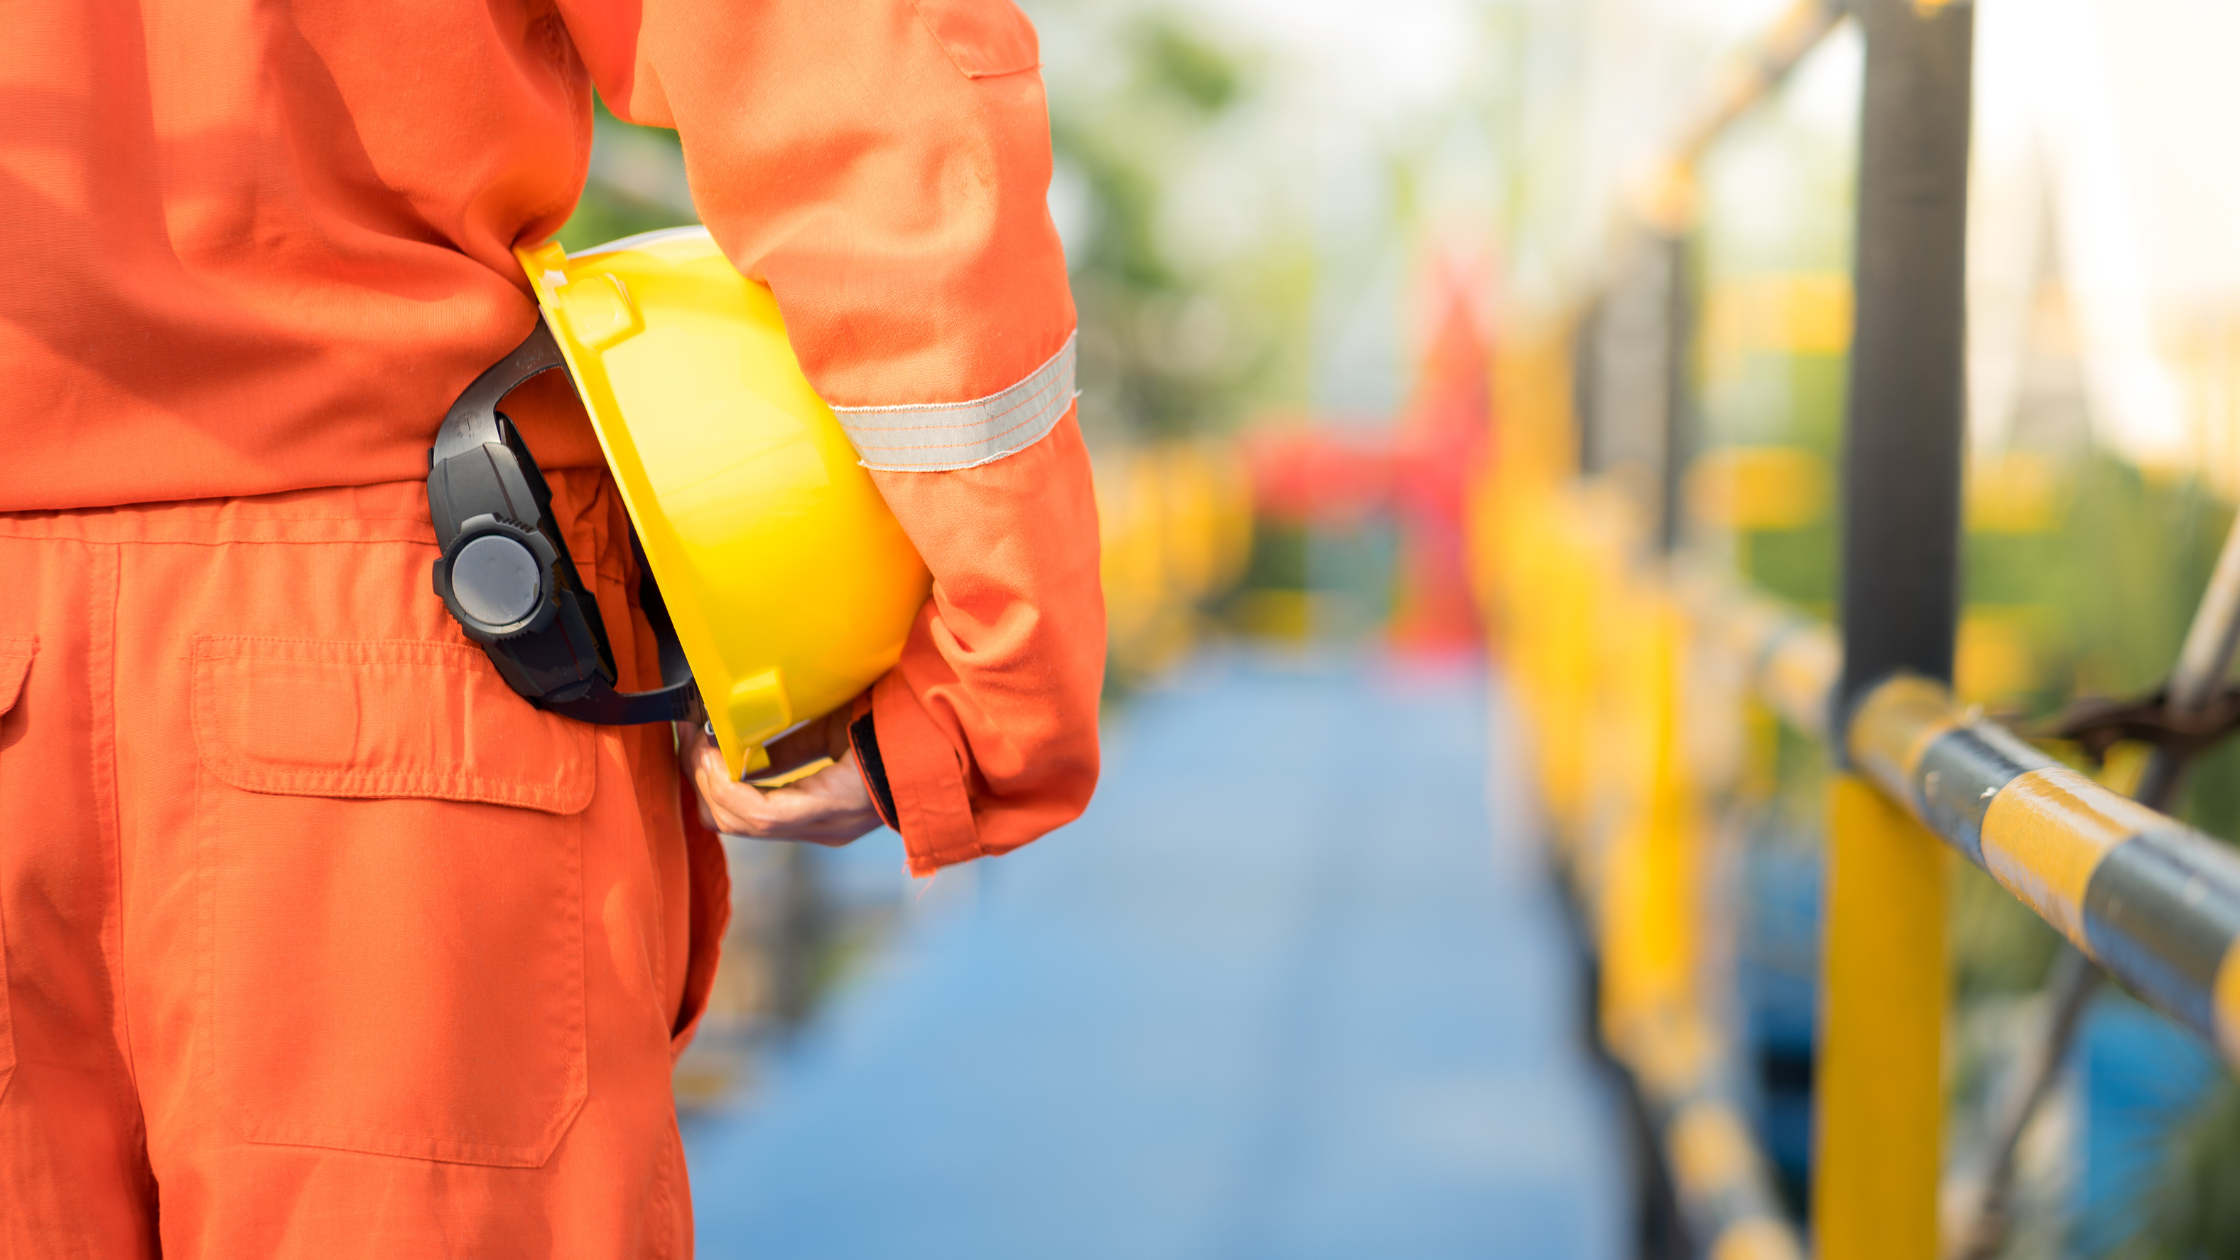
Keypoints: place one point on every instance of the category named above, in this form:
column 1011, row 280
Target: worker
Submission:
column 317, row 939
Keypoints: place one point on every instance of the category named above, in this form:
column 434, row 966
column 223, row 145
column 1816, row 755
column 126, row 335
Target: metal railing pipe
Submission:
column 2196, row 679
column 1790, row 662
column 2150, row 899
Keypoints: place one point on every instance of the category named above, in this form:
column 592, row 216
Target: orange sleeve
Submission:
column 883, row 165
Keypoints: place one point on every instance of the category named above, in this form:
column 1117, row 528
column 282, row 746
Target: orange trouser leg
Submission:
column 375, row 959
column 74, row 1180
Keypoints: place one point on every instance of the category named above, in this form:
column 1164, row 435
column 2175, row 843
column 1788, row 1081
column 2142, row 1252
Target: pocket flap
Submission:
column 381, row 718
column 15, row 666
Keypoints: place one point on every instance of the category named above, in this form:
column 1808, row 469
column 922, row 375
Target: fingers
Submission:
column 831, row 806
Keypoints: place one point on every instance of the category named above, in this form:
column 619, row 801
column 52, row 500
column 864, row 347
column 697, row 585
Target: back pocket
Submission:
column 392, row 882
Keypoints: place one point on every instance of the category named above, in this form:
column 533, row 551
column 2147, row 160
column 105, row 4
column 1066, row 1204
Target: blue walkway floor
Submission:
column 1285, row 992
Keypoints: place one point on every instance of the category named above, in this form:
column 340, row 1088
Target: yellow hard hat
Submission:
column 788, row 583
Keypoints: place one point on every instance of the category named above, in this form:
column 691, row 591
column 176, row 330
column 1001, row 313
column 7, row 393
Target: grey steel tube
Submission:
column 2203, row 662
column 1900, row 598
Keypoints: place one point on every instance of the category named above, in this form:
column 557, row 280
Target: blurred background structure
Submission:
column 1486, row 404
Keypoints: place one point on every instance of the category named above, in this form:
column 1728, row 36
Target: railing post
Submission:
column 1883, row 989
column 1677, row 443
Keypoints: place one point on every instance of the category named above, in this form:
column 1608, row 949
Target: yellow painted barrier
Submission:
column 1601, row 648
column 1647, row 904
column 1877, row 1089
column 1176, row 525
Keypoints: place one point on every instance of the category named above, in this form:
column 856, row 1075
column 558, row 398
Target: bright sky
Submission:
column 2110, row 123
column 1346, row 87
column 2108, row 119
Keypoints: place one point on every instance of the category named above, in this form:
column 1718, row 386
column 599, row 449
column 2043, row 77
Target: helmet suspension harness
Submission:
column 505, row 573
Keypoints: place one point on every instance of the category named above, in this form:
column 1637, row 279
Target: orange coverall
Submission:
column 311, row 931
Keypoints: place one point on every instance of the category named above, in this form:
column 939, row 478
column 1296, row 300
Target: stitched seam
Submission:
column 375, row 785
column 106, row 771
column 440, row 1150
column 320, row 649
column 370, row 540
column 227, row 764
column 223, row 533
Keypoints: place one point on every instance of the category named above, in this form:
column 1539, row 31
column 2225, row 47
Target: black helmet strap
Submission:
column 505, row 573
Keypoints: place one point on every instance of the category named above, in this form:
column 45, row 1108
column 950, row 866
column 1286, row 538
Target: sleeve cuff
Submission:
column 863, row 736
column 925, row 780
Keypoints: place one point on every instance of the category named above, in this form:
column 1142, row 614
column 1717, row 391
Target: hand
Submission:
column 830, row 807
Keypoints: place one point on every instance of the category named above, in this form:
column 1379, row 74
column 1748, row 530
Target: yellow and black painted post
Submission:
column 1883, row 983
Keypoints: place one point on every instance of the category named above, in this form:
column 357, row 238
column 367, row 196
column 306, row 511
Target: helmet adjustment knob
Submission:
column 496, row 580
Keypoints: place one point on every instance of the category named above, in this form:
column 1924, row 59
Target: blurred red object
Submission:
column 1420, row 471
column 1332, row 478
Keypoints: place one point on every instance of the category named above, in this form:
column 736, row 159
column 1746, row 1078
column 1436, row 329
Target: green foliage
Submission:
column 1788, row 400
column 607, row 215
column 1999, row 945
column 1279, row 558
column 1795, row 565
column 1187, row 64
column 2212, row 796
column 608, row 210
column 2191, row 1208
column 2119, row 580
column 2133, row 558
column 1175, row 339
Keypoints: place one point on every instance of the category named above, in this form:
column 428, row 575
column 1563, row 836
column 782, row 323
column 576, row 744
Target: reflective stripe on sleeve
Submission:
column 943, row 437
